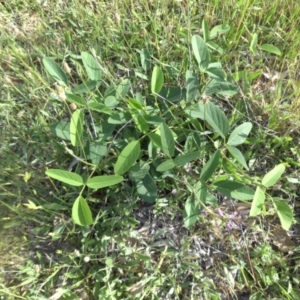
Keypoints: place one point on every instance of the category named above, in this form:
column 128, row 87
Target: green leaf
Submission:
column 201, row 191
column 233, row 189
column 141, row 75
column 154, row 120
column 183, row 159
column 65, row 176
column 111, row 102
column 205, row 30
column 239, row 134
column 284, row 213
column 75, row 99
column 157, row 80
column 139, row 171
column 192, row 86
column 99, row 182
column 119, row 118
column 141, row 123
column 76, row 127
column 92, row 66
column 85, row 87
column 137, row 112
column 211, row 166
column 271, row 177
column 140, row 99
column 215, row 73
column 215, row 117
column 146, row 189
column 96, row 151
column 215, row 47
column 61, row 129
column 173, row 93
column 201, row 52
column 55, row 71
column 105, row 130
column 110, row 90
column 237, row 154
column 167, row 140
column 127, row 157
column 258, row 202
column 211, row 199
column 165, row 166
column 145, row 59
column 81, row 213
column 271, row 49
column 155, row 139
column 191, row 212
column 122, row 89
column 109, row 262
column 254, row 44
column 220, row 87
column 134, row 104
column 218, row 30
column 99, row 107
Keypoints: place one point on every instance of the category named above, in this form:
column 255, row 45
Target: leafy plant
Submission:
column 282, row 209
column 139, row 138
column 265, row 47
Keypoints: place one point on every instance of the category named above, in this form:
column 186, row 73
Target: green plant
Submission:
column 151, row 139
column 282, row 209
column 119, row 256
column 265, row 47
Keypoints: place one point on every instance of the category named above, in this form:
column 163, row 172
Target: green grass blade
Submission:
column 253, row 44
column 205, row 30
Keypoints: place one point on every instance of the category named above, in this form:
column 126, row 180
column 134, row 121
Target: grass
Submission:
column 136, row 250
